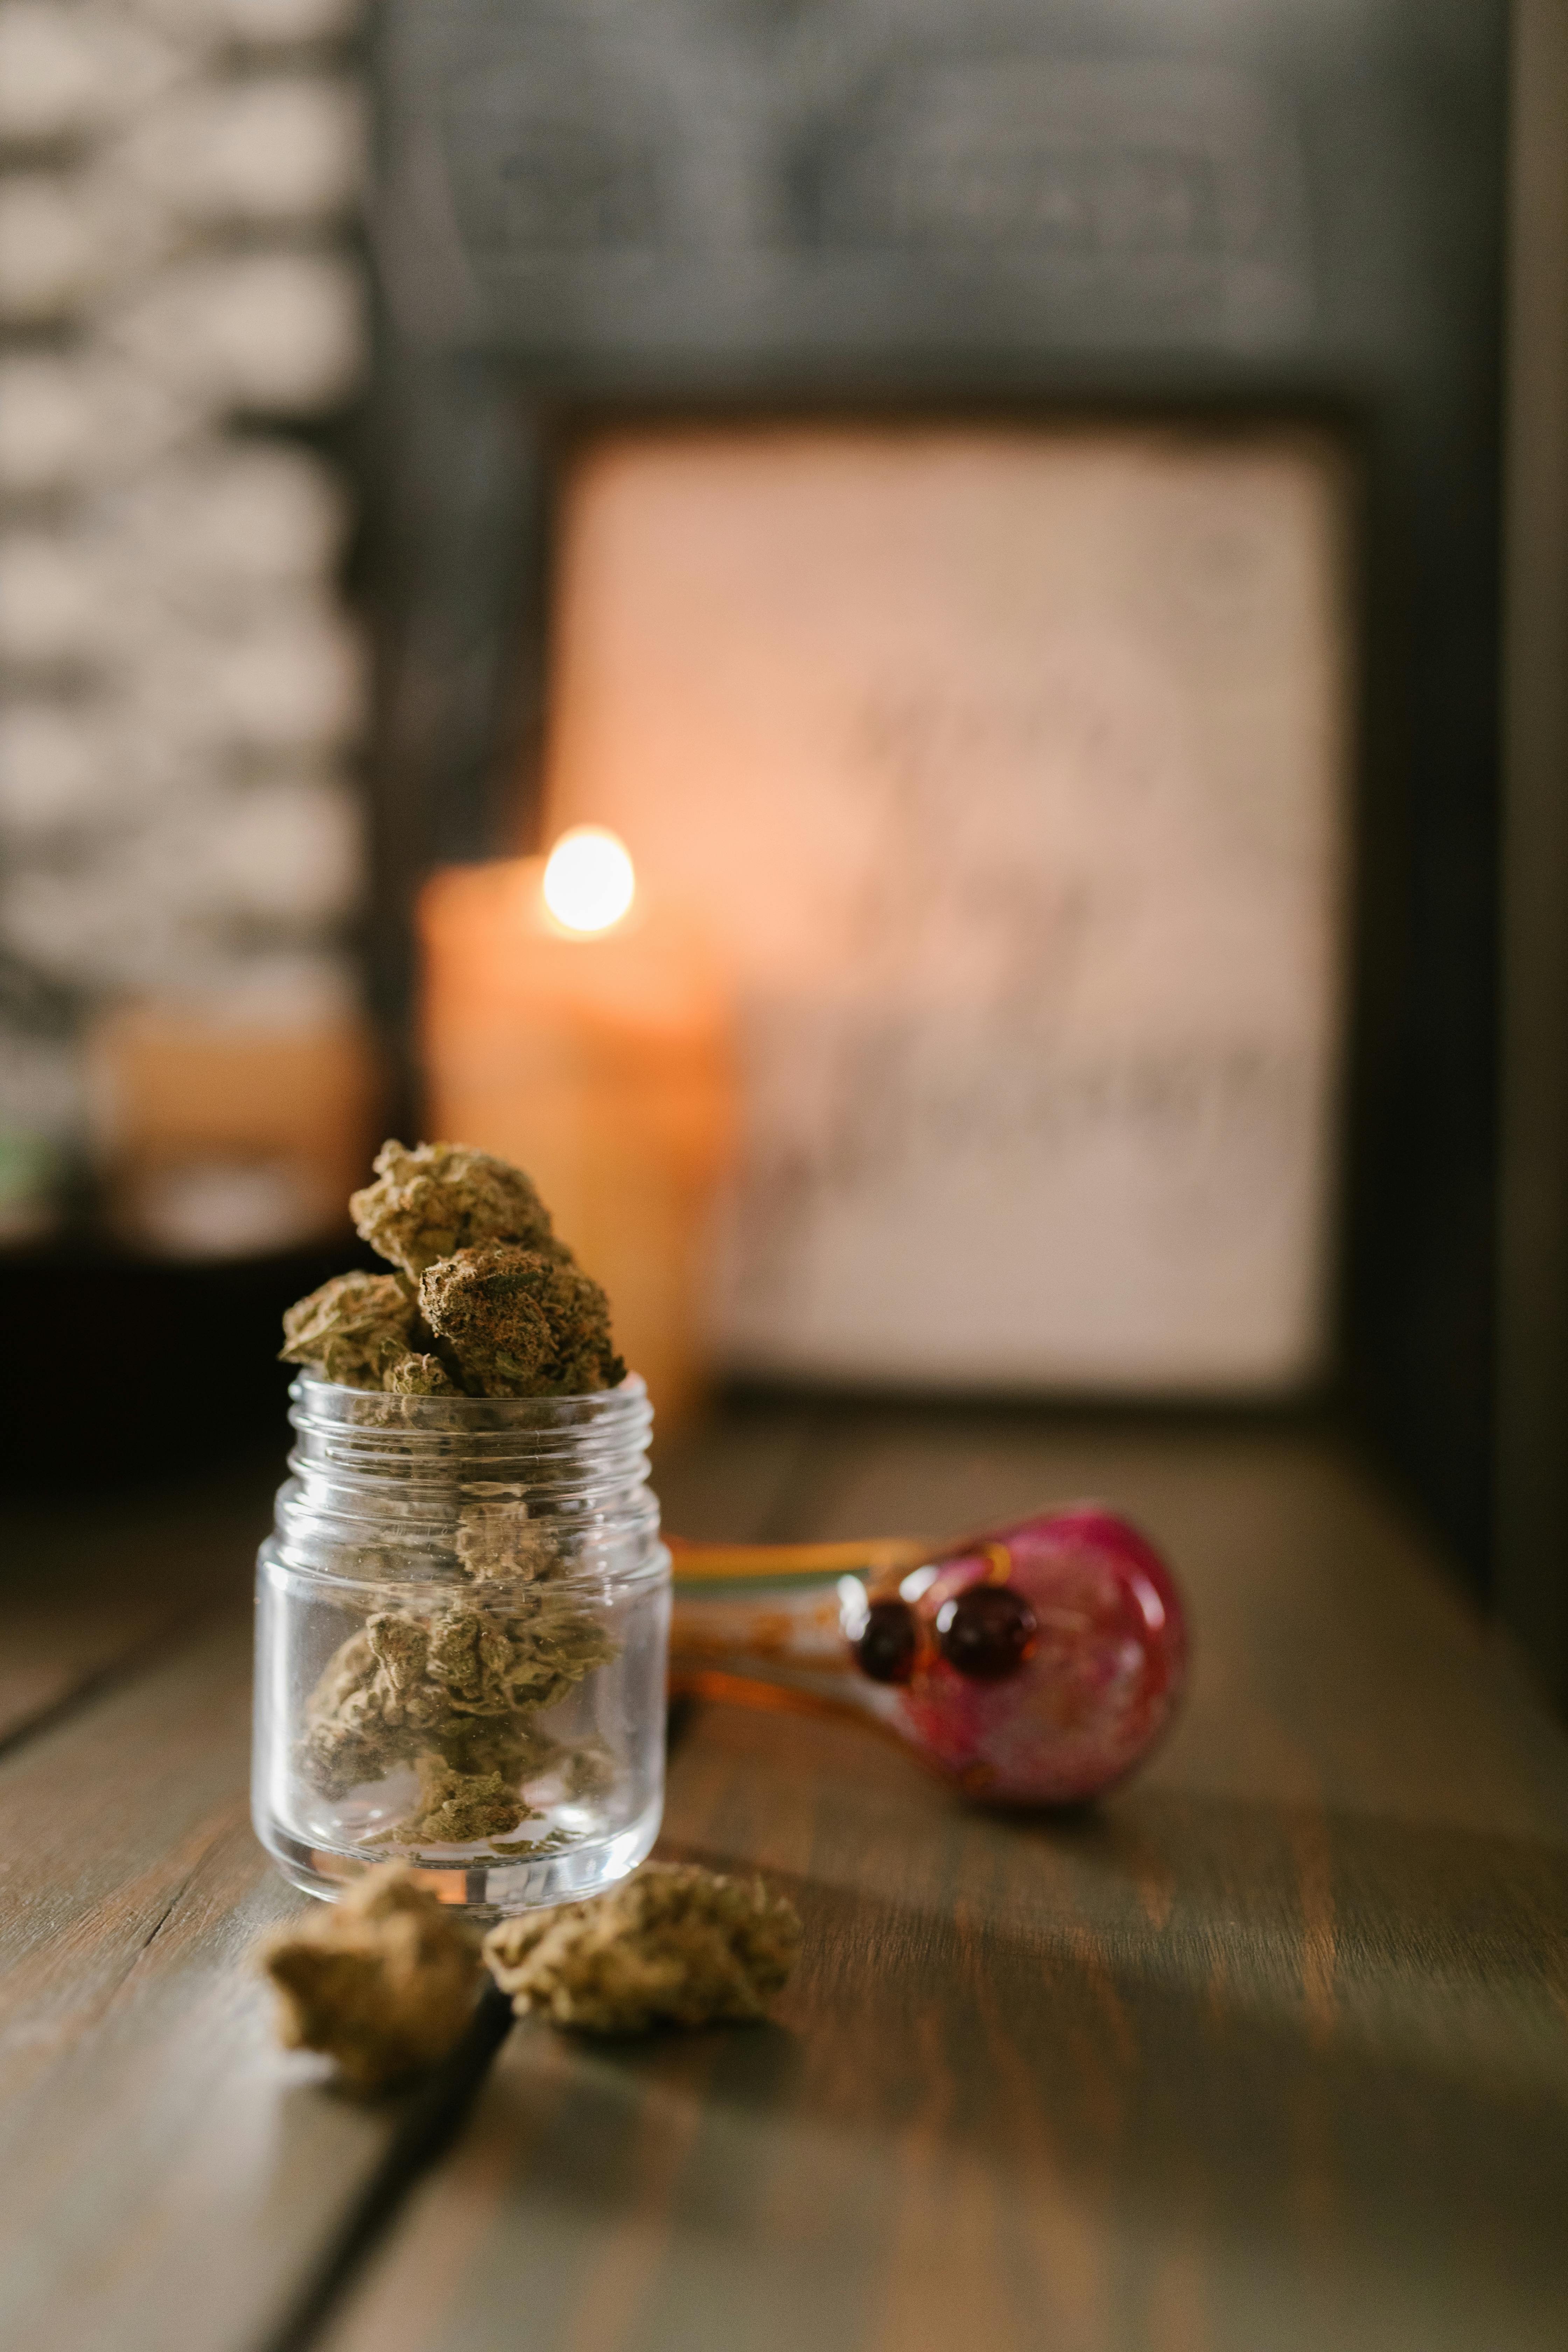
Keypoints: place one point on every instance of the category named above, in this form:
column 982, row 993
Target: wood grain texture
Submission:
column 166, row 2172
column 89, row 1586
column 1269, row 2052
column 169, row 2179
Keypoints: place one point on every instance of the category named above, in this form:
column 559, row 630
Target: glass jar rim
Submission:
column 331, row 1404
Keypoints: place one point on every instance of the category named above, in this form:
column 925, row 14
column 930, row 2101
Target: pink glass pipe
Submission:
column 1036, row 1665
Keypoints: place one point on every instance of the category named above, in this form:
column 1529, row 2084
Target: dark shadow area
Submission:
column 122, row 1372
column 1377, row 2122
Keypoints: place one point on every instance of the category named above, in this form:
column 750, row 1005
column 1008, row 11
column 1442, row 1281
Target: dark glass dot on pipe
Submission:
column 890, row 1643
column 986, row 1633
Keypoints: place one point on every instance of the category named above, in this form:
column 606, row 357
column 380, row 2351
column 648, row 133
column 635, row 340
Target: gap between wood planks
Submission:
column 93, row 1590
column 439, row 2108
column 421, row 2139
column 112, row 1676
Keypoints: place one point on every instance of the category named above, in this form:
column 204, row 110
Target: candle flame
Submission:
column 588, row 879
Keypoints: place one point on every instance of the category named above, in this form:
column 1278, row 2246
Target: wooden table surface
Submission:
column 1270, row 2052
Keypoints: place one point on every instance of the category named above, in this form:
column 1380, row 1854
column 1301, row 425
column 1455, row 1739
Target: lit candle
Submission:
column 577, row 1028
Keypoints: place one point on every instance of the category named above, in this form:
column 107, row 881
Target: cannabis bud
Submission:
column 673, row 1946
column 442, row 1197
column 520, row 1323
column 354, row 1329
column 384, row 1982
column 486, row 1301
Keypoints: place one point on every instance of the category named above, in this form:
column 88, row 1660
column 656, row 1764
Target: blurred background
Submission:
column 1040, row 535
column 186, row 1078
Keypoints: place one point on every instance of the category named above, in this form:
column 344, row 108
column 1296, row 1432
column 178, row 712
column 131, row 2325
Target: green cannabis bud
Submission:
column 353, row 1330
column 442, row 1197
column 486, row 1301
column 518, row 1323
column 673, row 1946
column 455, row 1808
column 497, row 1539
column 461, row 1684
column 419, row 1376
column 384, row 1982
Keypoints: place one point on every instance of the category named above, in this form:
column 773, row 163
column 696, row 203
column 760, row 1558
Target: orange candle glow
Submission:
column 583, row 1032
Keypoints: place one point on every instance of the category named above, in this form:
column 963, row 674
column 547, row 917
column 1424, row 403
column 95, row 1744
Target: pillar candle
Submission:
column 596, row 1053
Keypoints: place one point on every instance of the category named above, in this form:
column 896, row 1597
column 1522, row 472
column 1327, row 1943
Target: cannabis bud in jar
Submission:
column 486, row 1301
column 461, row 1645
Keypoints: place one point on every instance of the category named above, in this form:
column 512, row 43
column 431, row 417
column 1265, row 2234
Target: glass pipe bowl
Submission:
column 1038, row 1667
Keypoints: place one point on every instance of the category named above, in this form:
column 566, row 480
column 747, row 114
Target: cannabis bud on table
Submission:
column 385, row 1983
column 475, row 1530
column 674, row 1946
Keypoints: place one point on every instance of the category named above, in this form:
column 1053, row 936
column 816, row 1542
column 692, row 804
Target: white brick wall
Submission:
column 182, row 690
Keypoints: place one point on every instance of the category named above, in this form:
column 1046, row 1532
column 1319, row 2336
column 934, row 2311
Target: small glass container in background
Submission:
column 462, row 1618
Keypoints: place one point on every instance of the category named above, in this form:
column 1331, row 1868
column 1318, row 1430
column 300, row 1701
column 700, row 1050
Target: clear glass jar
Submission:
column 462, row 1618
